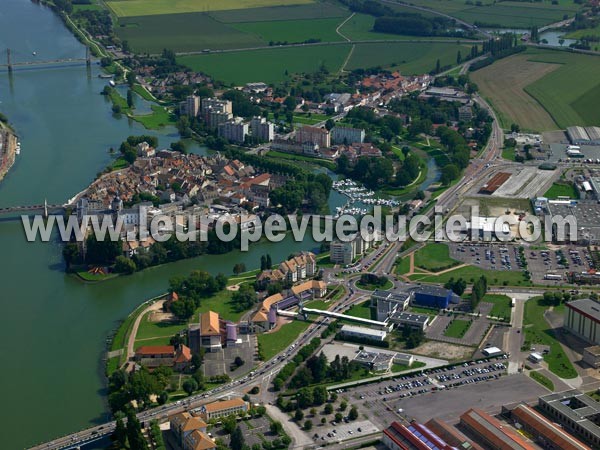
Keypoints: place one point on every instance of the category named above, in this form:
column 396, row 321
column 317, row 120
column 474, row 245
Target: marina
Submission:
column 358, row 196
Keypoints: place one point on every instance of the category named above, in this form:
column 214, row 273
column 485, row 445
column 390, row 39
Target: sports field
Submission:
column 503, row 83
column 269, row 65
column 293, row 31
column 182, row 33
column 128, row 8
column 409, row 58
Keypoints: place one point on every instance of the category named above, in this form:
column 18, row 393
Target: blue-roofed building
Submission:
column 433, row 297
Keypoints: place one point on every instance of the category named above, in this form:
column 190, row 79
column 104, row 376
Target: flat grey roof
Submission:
column 575, row 405
column 390, row 295
column 586, row 306
column 411, row 317
column 431, row 290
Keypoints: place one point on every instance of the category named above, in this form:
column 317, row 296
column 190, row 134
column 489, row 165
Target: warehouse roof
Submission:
column 363, row 330
column 493, row 431
column 411, row 317
column 577, row 133
column 432, row 290
column 587, row 307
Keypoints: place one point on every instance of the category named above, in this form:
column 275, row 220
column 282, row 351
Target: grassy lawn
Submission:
column 269, row 65
column 164, row 340
column 471, row 273
column 371, row 287
column 501, row 303
column 402, row 266
column 275, row 342
column 409, row 58
column 543, row 380
column 125, row 8
column 561, row 190
column 434, row 257
column 362, row 310
column 87, row 276
column 538, row 331
column 112, row 364
column 457, row 328
column 293, row 31
column 148, row 329
column 508, row 153
column 318, row 304
column 402, row 368
column 220, row 303
column 119, row 163
column 159, row 118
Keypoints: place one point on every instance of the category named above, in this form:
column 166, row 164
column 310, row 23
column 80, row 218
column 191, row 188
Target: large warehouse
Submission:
column 491, row 433
column 582, row 318
column 584, row 136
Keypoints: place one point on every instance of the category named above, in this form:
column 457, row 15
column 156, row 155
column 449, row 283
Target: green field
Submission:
column 538, row 331
column 182, row 33
column 402, row 266
column 269, row 65
column 159, row 118
column 127, row 8
column 471, row 273
column 362, row 310
column 318, row 10
column 409, row 58
column 275, row 342
column 148, row 329
column 578, row 34
column 293, row 31
column 561, row 190
column 457, row 328
column 501, row 304
column 434, row 257
column 569, row 93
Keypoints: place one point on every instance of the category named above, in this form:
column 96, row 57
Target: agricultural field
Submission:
column 503, row 84
column 293, row 31
column 128, row 8
column 318, row 10
column 359, row 28
column 578, row 34
column 577, row 104
column 269, row 65
column 409, row 58
column 182, row 33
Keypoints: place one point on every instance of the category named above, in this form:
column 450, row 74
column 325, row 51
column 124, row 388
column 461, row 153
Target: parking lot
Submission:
column 383, row 402
column 550, row 266
column 344, row 431
column 488, row 256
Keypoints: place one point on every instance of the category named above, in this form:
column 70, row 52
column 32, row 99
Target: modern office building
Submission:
column 412, row 320
column 387, row 303
column 582, row 318
column 577, row 412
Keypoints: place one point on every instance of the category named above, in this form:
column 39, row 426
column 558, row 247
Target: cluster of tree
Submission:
column 241, row 103
column 412, row 337
column 244, row 298
column 308, row 194
column 478, row 291
column 192, row 289
column 288, row 370
column 414, row 24
column 456, row 286
column 372, row 172
column 499, row 49
column 103, row 251
column 128, row 147
column 140, row 385
column 96, row 21
column 387, row 126
column 370, row 7
column 156, row 436
column 130, row 436
column 371, row 279
column 555, row 298
column 306, row 41
column 265, row 262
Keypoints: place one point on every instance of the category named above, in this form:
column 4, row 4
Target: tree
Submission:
column 238, row 362
column 130, row 103
column 134, row 433
column 239, row 268
column 343, row 405
column 329, row 124
column 190, row 386
column 458, row 57
column 308, row 425
column 353, row 414
column 319, row 395
column 328, row 408
column 237, row 441
column 338, row 417
column 438, row 67
column 125, row 265
column 119, row 436
column 450, row 172
column 276, row 427
column 323, row 420
column 298, row 415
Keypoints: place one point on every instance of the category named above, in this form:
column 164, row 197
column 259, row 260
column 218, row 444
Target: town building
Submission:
column 184, row 424
column 313, row 135
column 297, row 268
column 215, row 112
column 577, row 413
column 410, row 320
column 211, row 333
column 190, row 106
column 490, row 432
column 198, row 440
column 375, row 361
column 234, row 130
column 224, row 408
column 357, row 332
column 347, row 135
column 465, row 113
column 546, row 433
column 433, row 297
column 344, row 252
column 153, row 356
column 262, row 129
column 387, row 303
column 591, row 356
column 582, row 318
column 412, row 437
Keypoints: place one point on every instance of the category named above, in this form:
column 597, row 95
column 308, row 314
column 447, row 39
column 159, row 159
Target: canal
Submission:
column 53, row 328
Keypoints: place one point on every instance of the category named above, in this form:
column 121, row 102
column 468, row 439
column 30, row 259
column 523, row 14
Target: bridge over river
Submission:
column 10, row 64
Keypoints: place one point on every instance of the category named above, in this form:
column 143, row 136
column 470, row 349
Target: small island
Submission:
column 9, row 146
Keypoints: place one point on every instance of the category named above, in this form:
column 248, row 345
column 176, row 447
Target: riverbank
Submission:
column 8, row 149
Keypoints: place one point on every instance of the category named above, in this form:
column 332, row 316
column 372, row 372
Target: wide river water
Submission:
column 53, row 328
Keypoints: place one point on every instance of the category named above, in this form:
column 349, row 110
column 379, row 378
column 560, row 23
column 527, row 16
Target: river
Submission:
column 53, row 328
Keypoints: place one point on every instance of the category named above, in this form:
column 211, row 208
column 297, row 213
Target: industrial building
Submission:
column 386, row 303
column 543, row 431
column 413, row 437
column 495, row 182
column 577, row 412
column 584, row 135
column 491, row 433
column 451, row 435
column 586, row 223
column 582, row 318
column 412, row 320
column 433, row 297
column 363, row 333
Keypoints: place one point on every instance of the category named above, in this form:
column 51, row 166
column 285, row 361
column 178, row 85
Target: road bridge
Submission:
column 10, row 64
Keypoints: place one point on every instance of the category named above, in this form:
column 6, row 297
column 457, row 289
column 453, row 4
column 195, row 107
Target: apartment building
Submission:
column 262, row 129
column 314, row 135
column 234, row 130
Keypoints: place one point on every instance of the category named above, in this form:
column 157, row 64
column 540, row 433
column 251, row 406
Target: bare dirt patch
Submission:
column 443, row 350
